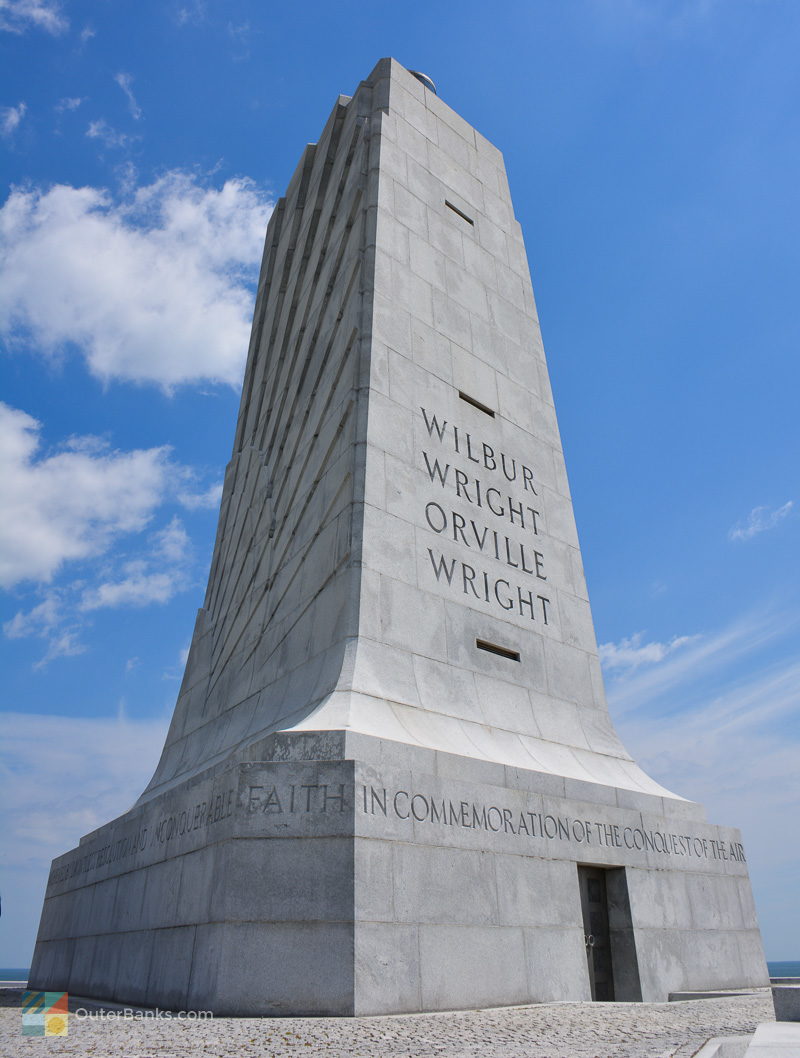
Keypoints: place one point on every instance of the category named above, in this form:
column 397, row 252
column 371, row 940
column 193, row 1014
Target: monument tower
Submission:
column 391, row 782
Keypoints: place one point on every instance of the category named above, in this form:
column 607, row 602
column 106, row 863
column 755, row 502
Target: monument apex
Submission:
column 391, row 782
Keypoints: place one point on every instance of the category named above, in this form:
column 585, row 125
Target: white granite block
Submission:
column 387, row 967
column 447, row 234
column 479, row 966
column 451, row 319
column 427, row 262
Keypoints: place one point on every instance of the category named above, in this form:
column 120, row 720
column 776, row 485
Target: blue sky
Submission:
column 653, row 152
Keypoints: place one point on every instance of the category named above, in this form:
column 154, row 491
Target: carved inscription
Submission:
column 300, row 799
column 111, row 853
column 303, row 797
column 173, row 825
column 413, row 806
column 201, row 814
column 409, row 806
column 502, row 491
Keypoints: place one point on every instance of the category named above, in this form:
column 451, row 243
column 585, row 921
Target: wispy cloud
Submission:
column 726, row 734
column 694, row 658
column 41, row 618
column 191, row 14
column 60, row 778
column 125, row 82
column 760, row 520
column 736, row 749
column 44, row 762
column 156, row 578
column 16, row 16
column 10, row 118
column 68, row 103
column 176, row 672
column 632, row 653
column 151, row 286
column 240, row 35
column 107, row 134
column 675, row 17
column 51, row 622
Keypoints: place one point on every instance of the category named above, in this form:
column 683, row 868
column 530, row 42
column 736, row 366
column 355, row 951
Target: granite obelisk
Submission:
column 391, row 782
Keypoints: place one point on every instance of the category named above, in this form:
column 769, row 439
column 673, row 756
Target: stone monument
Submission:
column 391, row 782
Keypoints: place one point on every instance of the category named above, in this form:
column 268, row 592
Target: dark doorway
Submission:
column 597, row 934
column 608, row 935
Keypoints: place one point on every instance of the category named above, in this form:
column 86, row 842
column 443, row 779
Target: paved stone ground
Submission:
column 554, row 1030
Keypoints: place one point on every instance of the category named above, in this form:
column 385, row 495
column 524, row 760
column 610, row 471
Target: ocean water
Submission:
column 14, row 973
column 784, row 969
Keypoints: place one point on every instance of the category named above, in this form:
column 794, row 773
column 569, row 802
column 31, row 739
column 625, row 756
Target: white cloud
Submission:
column 193, row 13
column 172, row 543
column 151, row 287
column 60, row 778
column 70, row 504
column 727, row 736
column 62, row 790
column 51, row 622
column 68, row 103
column 240, row 35
column 41, row 618
column 631, row 653
column 18, row 15
column 125, row 82
column 65, row 643
column 704, row 681
column 10, row 117
column 85, row 501
column 101, row 130
column 138, row 588
column 699, row 656
column 735, row 752
column 759, row 520
column 209, row 499
column 154, row 579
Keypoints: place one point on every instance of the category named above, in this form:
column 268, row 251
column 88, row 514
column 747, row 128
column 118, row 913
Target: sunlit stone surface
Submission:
column 391, row 782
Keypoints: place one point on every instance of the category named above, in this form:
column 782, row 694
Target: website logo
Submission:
column 45, row 1013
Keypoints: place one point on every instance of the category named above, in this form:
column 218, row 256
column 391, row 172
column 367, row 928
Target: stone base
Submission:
column 786, row 1000
column 725, row 1047
column 346, row 875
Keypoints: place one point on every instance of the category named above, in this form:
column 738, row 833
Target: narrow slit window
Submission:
column 477, row 404
column 460, row 212
column 493, row 648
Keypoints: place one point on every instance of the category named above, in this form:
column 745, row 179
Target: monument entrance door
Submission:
column 597, row 932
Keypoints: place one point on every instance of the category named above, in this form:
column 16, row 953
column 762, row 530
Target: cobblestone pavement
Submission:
column 554, row 1030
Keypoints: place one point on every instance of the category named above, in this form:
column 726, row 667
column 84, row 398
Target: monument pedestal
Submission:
column 391, row 782
column 350, row 875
